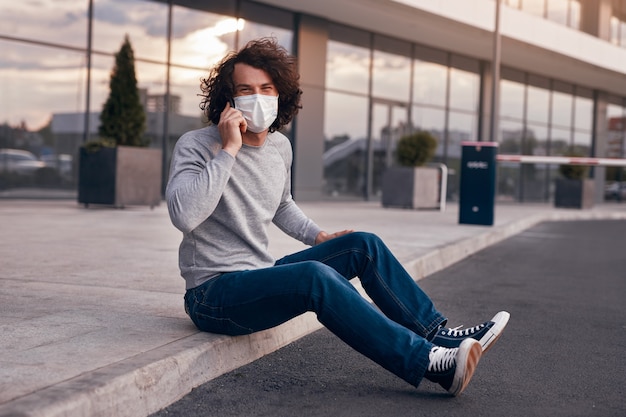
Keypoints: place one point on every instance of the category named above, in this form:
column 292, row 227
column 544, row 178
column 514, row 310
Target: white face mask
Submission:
column 259, row 110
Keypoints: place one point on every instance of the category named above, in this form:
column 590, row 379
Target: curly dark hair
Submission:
column 267, row 55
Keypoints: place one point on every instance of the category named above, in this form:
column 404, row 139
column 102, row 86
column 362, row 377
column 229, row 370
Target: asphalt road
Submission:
column 562, row 354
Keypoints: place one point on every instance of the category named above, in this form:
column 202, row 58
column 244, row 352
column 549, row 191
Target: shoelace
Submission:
column 441, row 359
column 455, row 332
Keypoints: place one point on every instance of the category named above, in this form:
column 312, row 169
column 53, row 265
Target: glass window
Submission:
column 582, row 142
column 37, row 85
column 185, row 85
column 65, row 22
column 345, row 145
column 264, row 21
column 583, row 116
column 347, row 67
column 430, row 119
column 511, row 134
column 535, row 141
column 622, row 32
column 560, row 141
column 200, row 39
column 145, row 23
column 464, row 90
column 511, row 100
column 345, row 115
column 561, row 109
column 36, row 81
column 391, row 76
column 508, row 177
column 429, row 83
column 538, row 106
column 462, row 126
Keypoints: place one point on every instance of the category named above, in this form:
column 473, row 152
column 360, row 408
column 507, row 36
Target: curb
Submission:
column 146, row 383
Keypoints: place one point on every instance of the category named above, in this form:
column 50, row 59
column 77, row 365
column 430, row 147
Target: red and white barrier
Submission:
column 561, row 160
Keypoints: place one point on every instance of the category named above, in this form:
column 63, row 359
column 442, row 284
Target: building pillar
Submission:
column 595, row 18
column 311, row 45
column 600, row 141
column 485, row 106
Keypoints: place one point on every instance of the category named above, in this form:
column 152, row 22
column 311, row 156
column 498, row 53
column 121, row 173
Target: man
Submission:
column 230, row 180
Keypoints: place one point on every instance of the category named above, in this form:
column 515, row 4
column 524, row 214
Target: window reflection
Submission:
column 562, row 109
column 36, row 83
column 538, row 108
column 145, row 22
column 345, row 145
column 560, row 140
column 464, row 88
column 391, row 76
column 347, row 67
column 65, row 22
column 200, row 39
column 511, row 100
column 429, row 83
column 265, row 21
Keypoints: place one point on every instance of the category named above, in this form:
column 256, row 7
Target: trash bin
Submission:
column 478, row 183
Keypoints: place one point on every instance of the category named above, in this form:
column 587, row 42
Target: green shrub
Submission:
column 574, row 172
column 416, row 149
column 97, row 144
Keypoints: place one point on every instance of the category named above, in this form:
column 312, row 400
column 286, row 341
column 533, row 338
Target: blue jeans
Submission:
column 316, row 279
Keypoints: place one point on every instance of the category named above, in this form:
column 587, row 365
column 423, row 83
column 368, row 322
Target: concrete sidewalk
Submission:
column 91, row 310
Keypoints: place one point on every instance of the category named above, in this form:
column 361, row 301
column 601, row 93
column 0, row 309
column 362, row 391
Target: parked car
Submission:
column 615, row 191
column 62, row 163
column 20, row 162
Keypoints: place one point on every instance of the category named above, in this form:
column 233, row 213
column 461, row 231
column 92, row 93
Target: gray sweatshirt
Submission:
column 224, row 205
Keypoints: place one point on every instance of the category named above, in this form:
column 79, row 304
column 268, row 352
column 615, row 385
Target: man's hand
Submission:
column 323, row 236
column 231, row 126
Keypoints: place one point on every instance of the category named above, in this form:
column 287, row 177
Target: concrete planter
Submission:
column 413, row 188
column 574, row 193
column 121, row 176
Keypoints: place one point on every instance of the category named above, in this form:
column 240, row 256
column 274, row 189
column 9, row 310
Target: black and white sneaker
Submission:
column 486, row 333
column 452, row 368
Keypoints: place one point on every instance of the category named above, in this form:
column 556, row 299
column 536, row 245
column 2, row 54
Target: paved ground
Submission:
column 561, row 355
column 91, row 310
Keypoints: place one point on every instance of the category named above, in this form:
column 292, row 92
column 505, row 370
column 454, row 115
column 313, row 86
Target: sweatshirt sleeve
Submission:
column 196, row 182
column 291, row 219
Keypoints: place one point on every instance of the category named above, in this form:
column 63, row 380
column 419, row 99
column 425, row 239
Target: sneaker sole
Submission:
column 467, row 358
column 500, row 319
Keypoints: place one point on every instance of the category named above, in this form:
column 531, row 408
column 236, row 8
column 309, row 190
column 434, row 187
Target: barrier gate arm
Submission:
column 561, row 160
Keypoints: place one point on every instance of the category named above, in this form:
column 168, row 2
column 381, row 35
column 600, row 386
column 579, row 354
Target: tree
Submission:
column 123, row 118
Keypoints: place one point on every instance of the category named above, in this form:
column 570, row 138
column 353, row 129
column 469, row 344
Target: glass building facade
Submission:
column 365, row 85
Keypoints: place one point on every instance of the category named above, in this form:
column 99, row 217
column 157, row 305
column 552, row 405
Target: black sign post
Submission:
column 478, row 183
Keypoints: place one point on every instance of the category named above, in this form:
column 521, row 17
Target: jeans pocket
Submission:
column 225, row 326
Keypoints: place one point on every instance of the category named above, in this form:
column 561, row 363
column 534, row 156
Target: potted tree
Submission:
column 410, row 184
column 118, row 168
column 573, row 189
